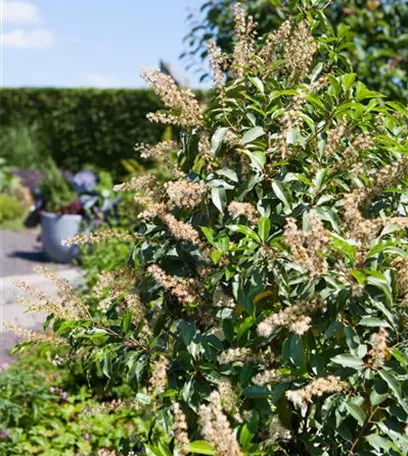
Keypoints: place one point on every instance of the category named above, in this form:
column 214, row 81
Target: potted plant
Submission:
column 61, row 214
column 67, row 204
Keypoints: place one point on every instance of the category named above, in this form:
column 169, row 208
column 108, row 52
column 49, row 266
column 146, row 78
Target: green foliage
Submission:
column 378, row 52
column 79, row 126
column 104, row 256
column 43, row 410
column 22, row 145
column 13, row 199
column 272, row 309
column 55, row 188
column 10, row 208
column 8, row 181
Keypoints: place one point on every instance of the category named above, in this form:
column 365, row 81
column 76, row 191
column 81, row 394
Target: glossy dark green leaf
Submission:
column 356, row 412
column 349, row 360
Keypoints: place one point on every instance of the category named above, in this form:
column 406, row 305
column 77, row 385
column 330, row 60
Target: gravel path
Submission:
column 20, row 253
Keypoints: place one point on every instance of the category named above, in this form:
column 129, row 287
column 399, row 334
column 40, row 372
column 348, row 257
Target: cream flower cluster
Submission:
column 182, row 289
column 216, row 429
column 67, row 305
column 186, row 194
column 180, row 430
column 317, row 387
column 179, row 100
column 293, row 318
column 309, row 248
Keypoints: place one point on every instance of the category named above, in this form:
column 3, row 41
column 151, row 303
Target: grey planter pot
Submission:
column 56, row 228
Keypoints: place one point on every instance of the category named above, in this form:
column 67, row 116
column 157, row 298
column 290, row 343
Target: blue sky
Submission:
column 91, row 43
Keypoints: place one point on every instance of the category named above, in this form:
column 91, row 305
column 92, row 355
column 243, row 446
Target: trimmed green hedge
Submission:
column 80, row 126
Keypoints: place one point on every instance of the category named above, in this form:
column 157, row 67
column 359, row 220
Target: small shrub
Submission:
column 264, row 309
column 10, row 208
column 58, row 194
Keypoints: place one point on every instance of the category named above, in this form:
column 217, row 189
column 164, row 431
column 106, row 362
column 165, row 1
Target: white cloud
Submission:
column 20, row 12
column 102, row 81
column 22, row 39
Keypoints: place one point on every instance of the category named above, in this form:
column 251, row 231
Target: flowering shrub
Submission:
column 263, row 309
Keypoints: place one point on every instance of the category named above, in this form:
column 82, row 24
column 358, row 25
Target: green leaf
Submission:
column 223, row 243
column 379, row 281
column 363, row 93
column 334, row 83
column 386, row 247
column 243, row 328
column 200, row 447
column 217, row 139
column 264, row 227
column 356, row 412
column 399, row 356
column 153, row 450
column 216, row 255
column 320, row 179
column 209, row 234
column 359, row 276
column 392, row 382
column 315, row 73
column 229, row 173
column 258, row 160
column 126, row 322
column 297, row 352
column 348, row 80
column 248, row 432
column 256, row 391
column 219, row 198
column 107, row 365
column 373, row 322
column 187, row 331
column 243, row 229
column 257, row 83
column 143, row 398
column 352, row 339
column 348, row 360
column 344, row 246
column 252, row 134
column 329, row 215
column 377, row 398
column 282, row 193
column 378, row 442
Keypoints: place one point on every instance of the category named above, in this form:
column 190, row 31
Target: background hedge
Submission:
column 81, row 126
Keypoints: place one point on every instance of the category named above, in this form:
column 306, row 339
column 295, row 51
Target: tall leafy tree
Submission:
column 378, row 51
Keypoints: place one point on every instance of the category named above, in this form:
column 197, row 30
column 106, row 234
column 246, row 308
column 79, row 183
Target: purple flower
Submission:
column 4, row 435
column 64, row 395
column 51, row 390
column 4, row 366
column 86, row 436
column 85, row 181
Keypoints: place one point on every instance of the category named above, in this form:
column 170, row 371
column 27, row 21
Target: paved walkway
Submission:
column 20, row 253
